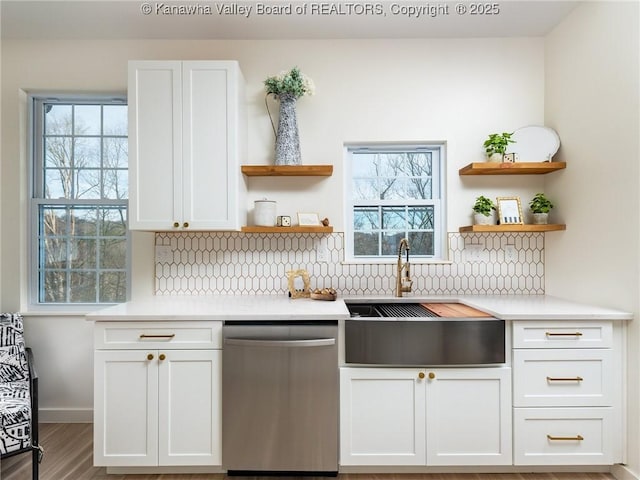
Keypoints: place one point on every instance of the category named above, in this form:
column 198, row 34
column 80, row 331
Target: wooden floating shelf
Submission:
column 296, row 229
column 512, row 228
column 287, row 170
column 508, row 168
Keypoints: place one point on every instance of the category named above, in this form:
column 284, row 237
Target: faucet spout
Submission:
column 403, row 282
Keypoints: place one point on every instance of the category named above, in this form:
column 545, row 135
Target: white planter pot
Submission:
column 495, row 157
column 480, row 219
column 540, row 218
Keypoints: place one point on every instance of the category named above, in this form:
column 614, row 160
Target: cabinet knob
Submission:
column 162, row 356
column 176, row 224
column 432, row 375
column 185, row 224
column 421, row 375
column 150, row 356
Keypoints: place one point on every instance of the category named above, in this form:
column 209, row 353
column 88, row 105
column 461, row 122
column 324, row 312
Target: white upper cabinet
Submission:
column 187, row 139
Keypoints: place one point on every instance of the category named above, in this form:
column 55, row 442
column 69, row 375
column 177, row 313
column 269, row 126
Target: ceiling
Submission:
column 124, row 19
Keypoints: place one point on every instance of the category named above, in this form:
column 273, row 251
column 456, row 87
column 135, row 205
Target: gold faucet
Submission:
column 403, row 284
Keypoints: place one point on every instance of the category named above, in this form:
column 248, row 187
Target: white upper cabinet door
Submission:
column 469, row 416
column 212, row 99
column 155, row 144
column 187, row 137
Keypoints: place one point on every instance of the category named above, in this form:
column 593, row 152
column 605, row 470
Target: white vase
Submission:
column 495, row 157
column 480, row 219
column 540, row 218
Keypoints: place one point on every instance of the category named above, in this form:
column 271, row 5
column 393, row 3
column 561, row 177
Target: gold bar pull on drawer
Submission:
column 563, row 334
column 564, row 379
column 168, row 336
column 577, row 438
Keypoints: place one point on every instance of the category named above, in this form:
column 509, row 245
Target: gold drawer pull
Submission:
column 563, row 334
column 577, row 438
column 169, row 336
column 565, row 379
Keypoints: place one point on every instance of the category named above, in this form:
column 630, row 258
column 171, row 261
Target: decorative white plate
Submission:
column 534, row 143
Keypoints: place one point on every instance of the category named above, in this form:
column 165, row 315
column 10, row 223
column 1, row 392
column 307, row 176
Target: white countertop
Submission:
column 224, row 307
column 280, row 307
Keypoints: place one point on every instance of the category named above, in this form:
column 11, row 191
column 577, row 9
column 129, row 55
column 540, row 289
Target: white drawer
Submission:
column 556, row 378
column 563, row 334
column 154, row 335
column 563, row 436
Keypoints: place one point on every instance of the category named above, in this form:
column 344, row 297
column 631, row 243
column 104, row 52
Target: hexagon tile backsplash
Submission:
column 234, row 263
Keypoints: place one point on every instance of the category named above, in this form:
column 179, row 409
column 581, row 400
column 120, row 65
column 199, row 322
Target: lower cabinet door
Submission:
column 469, row 416
column 382, row 417
column 563, row 436
column 125, row 408
column 190, row 407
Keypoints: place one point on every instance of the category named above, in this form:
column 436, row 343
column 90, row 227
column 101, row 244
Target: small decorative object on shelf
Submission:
column 484, row 211
column 540, row 207
column 325, row 222
column 510, row 157
column 308, row 219
column 509, row 211
column 283, row 221
column 287, row 87
column 496, row 146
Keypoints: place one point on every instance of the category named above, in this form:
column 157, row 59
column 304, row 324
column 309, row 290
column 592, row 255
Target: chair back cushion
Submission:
column 13, row 356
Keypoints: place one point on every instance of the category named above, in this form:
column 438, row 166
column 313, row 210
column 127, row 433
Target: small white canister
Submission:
column 264, row 213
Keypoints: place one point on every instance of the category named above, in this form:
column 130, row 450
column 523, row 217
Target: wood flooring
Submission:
column 69, row 456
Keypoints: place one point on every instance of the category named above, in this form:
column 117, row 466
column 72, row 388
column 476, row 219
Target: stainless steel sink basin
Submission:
column 408, row 334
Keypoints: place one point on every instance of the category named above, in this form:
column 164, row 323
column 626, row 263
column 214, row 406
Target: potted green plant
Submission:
column 484, row 211
column 540, row 206
column 496, row 145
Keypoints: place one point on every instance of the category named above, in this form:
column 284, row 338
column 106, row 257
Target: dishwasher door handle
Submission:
column 243, row 342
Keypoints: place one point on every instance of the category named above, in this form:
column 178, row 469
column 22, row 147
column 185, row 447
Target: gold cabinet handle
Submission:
column 565, row 379
column 162, row 356
column 563, row 334
column 421, row 375
column 432, row 375
column 176, row 224
column 185, row 224
column 150, row 356
column 168, row 335
column 577, row 438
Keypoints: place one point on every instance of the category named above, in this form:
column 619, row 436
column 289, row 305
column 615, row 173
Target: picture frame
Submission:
column 308, row 219
column 509, row 211
column 299, row 284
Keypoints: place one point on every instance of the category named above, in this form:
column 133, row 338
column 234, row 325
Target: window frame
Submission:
column 35, row 182
column 438, row 201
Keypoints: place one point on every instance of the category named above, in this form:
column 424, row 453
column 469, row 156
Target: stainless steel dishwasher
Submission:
column 280, row 393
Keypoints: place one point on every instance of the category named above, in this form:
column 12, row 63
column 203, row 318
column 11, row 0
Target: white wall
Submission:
column 592, row 98
column 369, row 90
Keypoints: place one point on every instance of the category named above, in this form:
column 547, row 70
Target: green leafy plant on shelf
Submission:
column 498, row 143
column 540, row 204
column 484, row 206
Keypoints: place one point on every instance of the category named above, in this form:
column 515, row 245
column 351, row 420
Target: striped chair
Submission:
column 18, row 393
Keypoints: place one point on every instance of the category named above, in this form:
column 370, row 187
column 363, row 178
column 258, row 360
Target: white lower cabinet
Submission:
column 409, row 416
column 566, row 393
column 157, row 407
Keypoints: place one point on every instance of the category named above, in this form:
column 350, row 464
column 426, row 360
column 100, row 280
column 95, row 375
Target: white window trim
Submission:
column 441, row 245
column 33, row 305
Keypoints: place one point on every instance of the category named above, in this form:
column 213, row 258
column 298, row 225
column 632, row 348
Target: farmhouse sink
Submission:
column 414, row 334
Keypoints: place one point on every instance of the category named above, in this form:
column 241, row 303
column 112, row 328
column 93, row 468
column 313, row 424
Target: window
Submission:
column 79, row 202
column 393, row 192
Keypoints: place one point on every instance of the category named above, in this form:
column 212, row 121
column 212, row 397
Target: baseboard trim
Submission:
column 65, row 415
column 621, row 472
